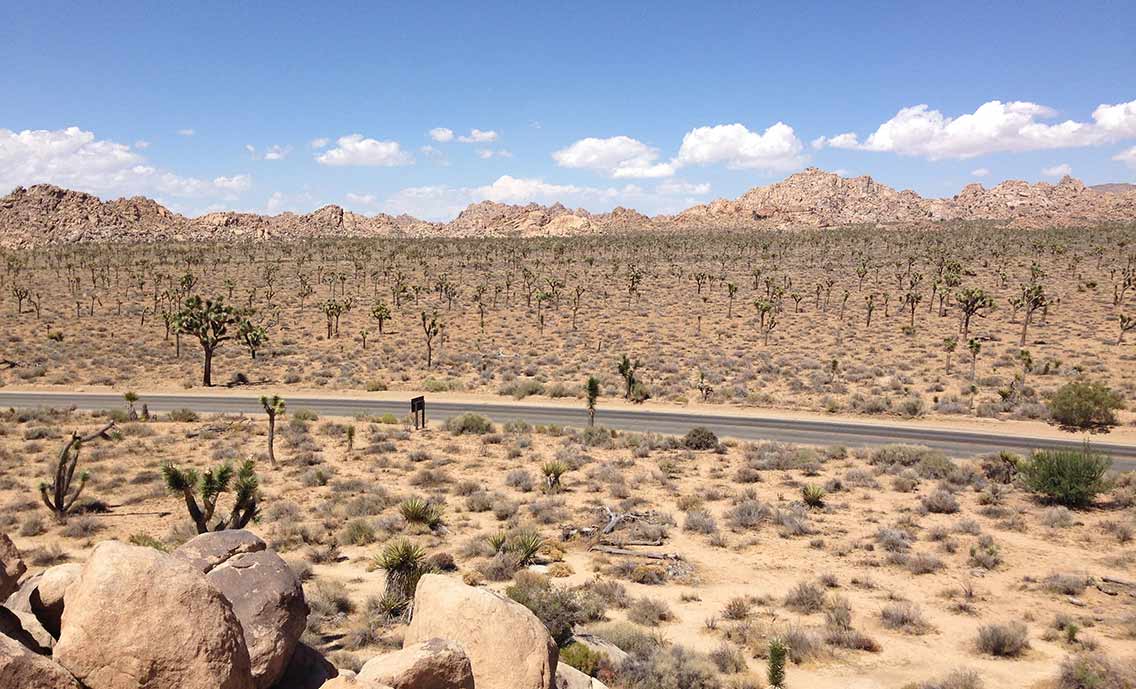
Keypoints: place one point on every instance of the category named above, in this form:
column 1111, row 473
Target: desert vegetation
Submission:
column 961, row 320
column 650, row 560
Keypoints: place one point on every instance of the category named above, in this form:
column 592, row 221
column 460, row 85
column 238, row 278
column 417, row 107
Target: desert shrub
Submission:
column 941, row 502
column 700, row 438
column 896, row 456
column 670, row 667
column 469, row 424
column 923, row 563
column 1007, row 640
column 728, row 659
column 904, row 617
column 1084, row 405
column 183, row 416
column 520, row 479
column 893, row 540
column 1094, row 670
column 748, row 514
column 628, row 637
column 649, row 612
column 556, row 607
column 583, row 658
column 1002, row 467
column 500, row 567
column 700, row 521
column 419, row 511
column 985, row 553
column 957, row 679
column 1067, row 584
column 357, row 532
column 737, row 609
column 813, row 495
column 806, row 597
column 1069, row 477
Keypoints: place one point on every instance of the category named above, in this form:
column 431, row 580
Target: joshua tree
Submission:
column 430, row 329
column 949, row 345
column 211, row 321
column 627, row 370
column 1031, row 298
column 778, row 652
column 1126, row 323
column 381, row 313
column 273, row 406
column 404, row 564
column 592, row 390
column 972, row 301
column 332, row 310
column 974, row 347
column 252, row 336
column 210, row 486
column 130, row 398
column 731, row 292
column 59, row 497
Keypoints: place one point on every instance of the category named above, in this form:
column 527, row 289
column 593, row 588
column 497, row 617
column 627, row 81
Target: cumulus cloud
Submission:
column 75, row 159
column 319, row 143
column 1127, row 157
column 980, row 172
column 678, row 187
column 442, row 134
column 355, row 149
column 476, row 136
column 361, row 199
column 994, row 127
column 1058, row 170
column 299, row 202
column 777, row 148
column 617, row 157
column 277, row 152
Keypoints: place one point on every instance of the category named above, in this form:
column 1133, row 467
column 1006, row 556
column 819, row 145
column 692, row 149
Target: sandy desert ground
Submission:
column 888, row 583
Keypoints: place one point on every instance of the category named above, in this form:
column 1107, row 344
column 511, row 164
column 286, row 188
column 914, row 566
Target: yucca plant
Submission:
column 404, row 563
column 419, row 511
column 210, row 486
column 813, row 495
column 525, row 544
column 552, row 472
column 497, row 541
column 778, row 651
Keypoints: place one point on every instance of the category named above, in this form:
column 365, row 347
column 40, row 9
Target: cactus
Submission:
column 59, row 496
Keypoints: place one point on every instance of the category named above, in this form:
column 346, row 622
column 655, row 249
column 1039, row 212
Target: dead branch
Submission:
column 611, row 550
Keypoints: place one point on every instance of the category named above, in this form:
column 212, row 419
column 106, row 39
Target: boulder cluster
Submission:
column 223, row 611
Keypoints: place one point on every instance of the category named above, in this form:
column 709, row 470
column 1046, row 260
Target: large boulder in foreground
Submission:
column 568, row 677
column 140, row 618
column 307, row 669
column 264, row 591
column 432, row 664
column 12, row 567
column 43, row 595
column 507, row 645
column 20, row 668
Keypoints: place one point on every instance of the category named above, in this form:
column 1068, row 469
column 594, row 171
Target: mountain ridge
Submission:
column 49, row 215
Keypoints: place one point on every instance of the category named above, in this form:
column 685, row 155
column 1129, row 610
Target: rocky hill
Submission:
column 47, row 215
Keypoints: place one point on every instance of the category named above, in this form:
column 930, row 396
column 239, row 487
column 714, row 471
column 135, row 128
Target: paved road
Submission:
column 807, row 431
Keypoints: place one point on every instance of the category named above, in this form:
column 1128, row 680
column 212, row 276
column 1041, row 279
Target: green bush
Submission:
column 556, row 607
column 700, row 438
column 1085, row 405
column 469, row 424
column 583, row 658
column 1069, row 477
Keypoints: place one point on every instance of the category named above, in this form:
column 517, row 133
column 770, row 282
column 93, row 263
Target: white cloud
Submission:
column 1127, row 157
column 617, row 157
column 777, row 148
column 251, row 150
column 994, row 127
column 186, row 132
column 980, row 172
column 442, row 134
column 75, row 159
column 1058, row 170
column 277, row 152
column 362, row 199
column 319, row 143
column 355, row 149
column 487, row 153
column 476, row 136
column 279, row 202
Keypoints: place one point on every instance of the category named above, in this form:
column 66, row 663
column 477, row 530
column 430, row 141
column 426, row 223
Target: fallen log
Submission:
column 612, row 550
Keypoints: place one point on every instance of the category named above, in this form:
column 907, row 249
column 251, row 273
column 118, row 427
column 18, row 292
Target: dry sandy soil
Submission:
column 888, row 544
column 94, row 317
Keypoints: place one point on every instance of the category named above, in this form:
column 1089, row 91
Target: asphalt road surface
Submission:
column 957, row 443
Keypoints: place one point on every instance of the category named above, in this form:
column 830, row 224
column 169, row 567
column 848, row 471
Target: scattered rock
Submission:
column 307, row 669
column 12, row 567
column 615, row 654
column 138, row 617
column 263, row 590
column 12, row 626
column 20, row 668
column 508, row 647
column 432, row 664
column 568, row 677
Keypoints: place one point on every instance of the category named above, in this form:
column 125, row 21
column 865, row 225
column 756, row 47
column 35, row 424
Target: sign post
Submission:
column 418, row 409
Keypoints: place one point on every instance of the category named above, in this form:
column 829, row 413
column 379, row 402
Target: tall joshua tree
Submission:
column 381, row 313
column 430, row 330
column 273, row 407
column 972, row 301
column 212, row 322
column 209, row 486
column 627, row 370
column 592, row 390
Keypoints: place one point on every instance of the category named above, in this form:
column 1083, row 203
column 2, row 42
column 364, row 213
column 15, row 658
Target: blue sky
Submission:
column 652, row 105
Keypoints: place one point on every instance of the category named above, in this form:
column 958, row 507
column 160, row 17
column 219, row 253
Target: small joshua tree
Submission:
column 430, row 329
column 209, row 486
column 627, row 370
column 59, row 497
column 777, row 654
column 592, row 390
column 273, row 406
column 381, row 313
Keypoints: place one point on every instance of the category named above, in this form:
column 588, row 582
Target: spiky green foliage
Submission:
column 404, row 564
column 776, row 671
column 525, row 544
column 552, row 472
column 209, row 486
column 813, row 495
column 419, row 511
